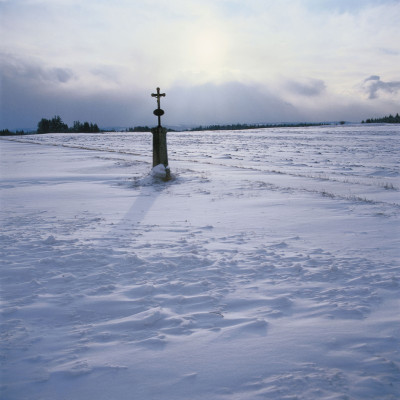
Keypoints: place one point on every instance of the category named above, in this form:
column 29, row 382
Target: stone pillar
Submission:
column 160, row 155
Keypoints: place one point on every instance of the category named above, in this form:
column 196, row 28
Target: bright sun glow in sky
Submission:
column 208, row 49
column 220, row 61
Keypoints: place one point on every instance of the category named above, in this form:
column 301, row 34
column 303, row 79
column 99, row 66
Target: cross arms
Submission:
column 158, row 95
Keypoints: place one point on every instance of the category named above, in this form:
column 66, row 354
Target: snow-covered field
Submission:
column 268, row 268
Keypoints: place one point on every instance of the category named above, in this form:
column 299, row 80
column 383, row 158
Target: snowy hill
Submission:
column 268, row 268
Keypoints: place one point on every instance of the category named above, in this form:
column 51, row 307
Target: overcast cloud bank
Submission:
column 219, row 62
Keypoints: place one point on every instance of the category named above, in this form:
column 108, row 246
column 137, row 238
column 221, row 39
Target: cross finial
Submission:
column 158, row 112
column 158, row 95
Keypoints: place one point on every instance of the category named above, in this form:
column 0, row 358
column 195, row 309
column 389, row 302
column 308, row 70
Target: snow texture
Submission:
column 266, row 268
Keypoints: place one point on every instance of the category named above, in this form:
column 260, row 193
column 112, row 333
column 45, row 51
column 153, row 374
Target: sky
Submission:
column 218, row 61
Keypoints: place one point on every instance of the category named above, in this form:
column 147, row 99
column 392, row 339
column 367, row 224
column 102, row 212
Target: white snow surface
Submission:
column 267, row 268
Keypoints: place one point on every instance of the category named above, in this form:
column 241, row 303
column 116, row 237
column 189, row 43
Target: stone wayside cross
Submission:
column 159, row 111
column 160, row 155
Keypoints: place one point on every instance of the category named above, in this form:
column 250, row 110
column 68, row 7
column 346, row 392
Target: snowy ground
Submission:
column 268, row 268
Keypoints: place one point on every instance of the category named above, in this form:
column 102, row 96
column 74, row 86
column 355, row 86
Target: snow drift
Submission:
column 266, row 269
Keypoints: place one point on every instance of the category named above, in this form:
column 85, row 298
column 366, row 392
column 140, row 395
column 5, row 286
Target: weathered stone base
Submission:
column 160, row 154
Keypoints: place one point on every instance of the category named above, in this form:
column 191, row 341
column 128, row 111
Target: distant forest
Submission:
column 144, row 129
column 56, row 125
column 6, row 132
column 253, row 126
column 138, row 129
column 386, row 120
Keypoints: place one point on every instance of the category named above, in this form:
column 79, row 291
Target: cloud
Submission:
column 309, row 88
column 31, row 73
column 31, row 91
column 63, row 75
column 229, row 102
column 374, row 86
column 343, row 6
column 27, row 99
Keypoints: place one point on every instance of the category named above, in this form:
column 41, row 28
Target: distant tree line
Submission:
column 6, row 132
column 387, row 120
column 56, row 125
column 144, row 129
column 234, row 127
column 138, row 129
column 86, row 127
